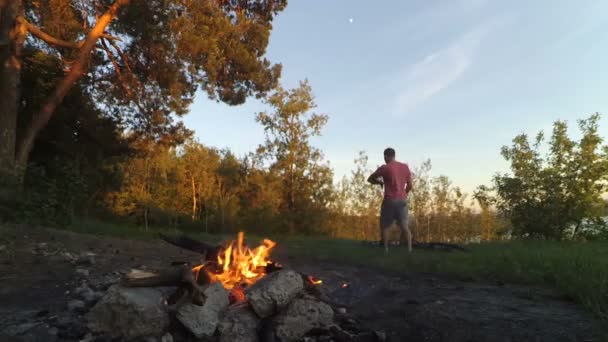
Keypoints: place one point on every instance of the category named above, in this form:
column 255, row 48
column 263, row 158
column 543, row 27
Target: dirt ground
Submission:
column 411, row 307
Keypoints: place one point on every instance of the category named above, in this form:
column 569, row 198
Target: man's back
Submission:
column 395, row 175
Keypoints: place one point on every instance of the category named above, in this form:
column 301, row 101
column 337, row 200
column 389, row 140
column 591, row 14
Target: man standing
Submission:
column 397, row 182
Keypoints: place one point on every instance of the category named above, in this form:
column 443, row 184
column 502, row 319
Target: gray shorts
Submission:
column 393, row 211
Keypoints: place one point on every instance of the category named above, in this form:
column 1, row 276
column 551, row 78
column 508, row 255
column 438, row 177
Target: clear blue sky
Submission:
column 450, row 80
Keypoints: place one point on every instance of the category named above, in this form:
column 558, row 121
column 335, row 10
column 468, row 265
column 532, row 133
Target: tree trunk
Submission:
column 12, row 36
column 206, row 221
column 42, row 117
column 193, row 199
column 575, row 230
column 146, row 217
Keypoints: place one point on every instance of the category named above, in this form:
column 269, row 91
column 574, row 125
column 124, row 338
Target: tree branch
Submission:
column 121, row 54
column 36, row 31
column 42, row 117
column 112, row 58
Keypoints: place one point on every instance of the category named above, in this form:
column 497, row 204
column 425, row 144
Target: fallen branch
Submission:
column 210, row 252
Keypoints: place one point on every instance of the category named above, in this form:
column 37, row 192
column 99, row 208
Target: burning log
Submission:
column 274, row 292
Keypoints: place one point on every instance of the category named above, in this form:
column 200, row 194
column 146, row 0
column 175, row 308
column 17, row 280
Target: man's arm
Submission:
column 409, row 184
column 373, row 178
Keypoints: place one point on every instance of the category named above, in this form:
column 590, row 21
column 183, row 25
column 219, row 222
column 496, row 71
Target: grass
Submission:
column 578, row 270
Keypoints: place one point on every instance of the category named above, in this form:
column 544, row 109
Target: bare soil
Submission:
column 407, row 307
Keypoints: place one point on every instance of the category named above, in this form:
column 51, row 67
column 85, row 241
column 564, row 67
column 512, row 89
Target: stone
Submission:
column 341, row 311
column 82, row 272
column 53, row 331
column 274, row 292
column 67, row 256
column 85, row 293
column 380, row 335
column 2, row 248
column 80, row 290
column 167, row 338
column 76, row 305
column 87, row 338
column 239, row 324
column 86, row 258
column 301, row 316
column 91, row 297
column 20, row 329
column 202, row 320
column 131, row 312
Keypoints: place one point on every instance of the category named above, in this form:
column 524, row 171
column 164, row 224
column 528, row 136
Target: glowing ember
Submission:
column 344, row 285
column 314, row 281
column 238, row 294
column 239, row 265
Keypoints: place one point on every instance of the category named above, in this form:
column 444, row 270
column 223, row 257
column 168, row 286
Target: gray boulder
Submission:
column 131, row 312
column 76, row 305
column 239, row 324
column 274, row 292
column 301, row 316
column 202, row 320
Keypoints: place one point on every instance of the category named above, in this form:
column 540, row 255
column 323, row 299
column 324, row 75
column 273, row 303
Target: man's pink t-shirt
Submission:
column 395, row 176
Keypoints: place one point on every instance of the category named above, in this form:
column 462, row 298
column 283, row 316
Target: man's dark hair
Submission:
column 389, row 152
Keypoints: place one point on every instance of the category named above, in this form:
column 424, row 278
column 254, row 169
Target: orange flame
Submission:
column 239, row 265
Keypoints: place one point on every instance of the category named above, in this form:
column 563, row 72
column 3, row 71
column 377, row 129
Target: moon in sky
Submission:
column 350, row 20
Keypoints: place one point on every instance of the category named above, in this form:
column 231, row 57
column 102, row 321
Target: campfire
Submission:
column 235, row 293
column 238, row 266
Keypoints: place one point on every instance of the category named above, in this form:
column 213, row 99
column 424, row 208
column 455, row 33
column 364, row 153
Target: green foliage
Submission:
column 552, row 196
column 73, row 161
column 306, row 180
column 56, row 191
column 171, row 49
column 358, row 203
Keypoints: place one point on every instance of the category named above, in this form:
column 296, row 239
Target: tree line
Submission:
column 92, row 92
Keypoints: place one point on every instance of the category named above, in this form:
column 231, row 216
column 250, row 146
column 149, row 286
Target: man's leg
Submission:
column 386, row 219
column 402, row 220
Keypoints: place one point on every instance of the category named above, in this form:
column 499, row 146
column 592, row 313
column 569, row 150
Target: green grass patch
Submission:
column 578, row 270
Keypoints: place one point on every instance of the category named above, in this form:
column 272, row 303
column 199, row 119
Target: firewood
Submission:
column 173, row 276
column 210, row 252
